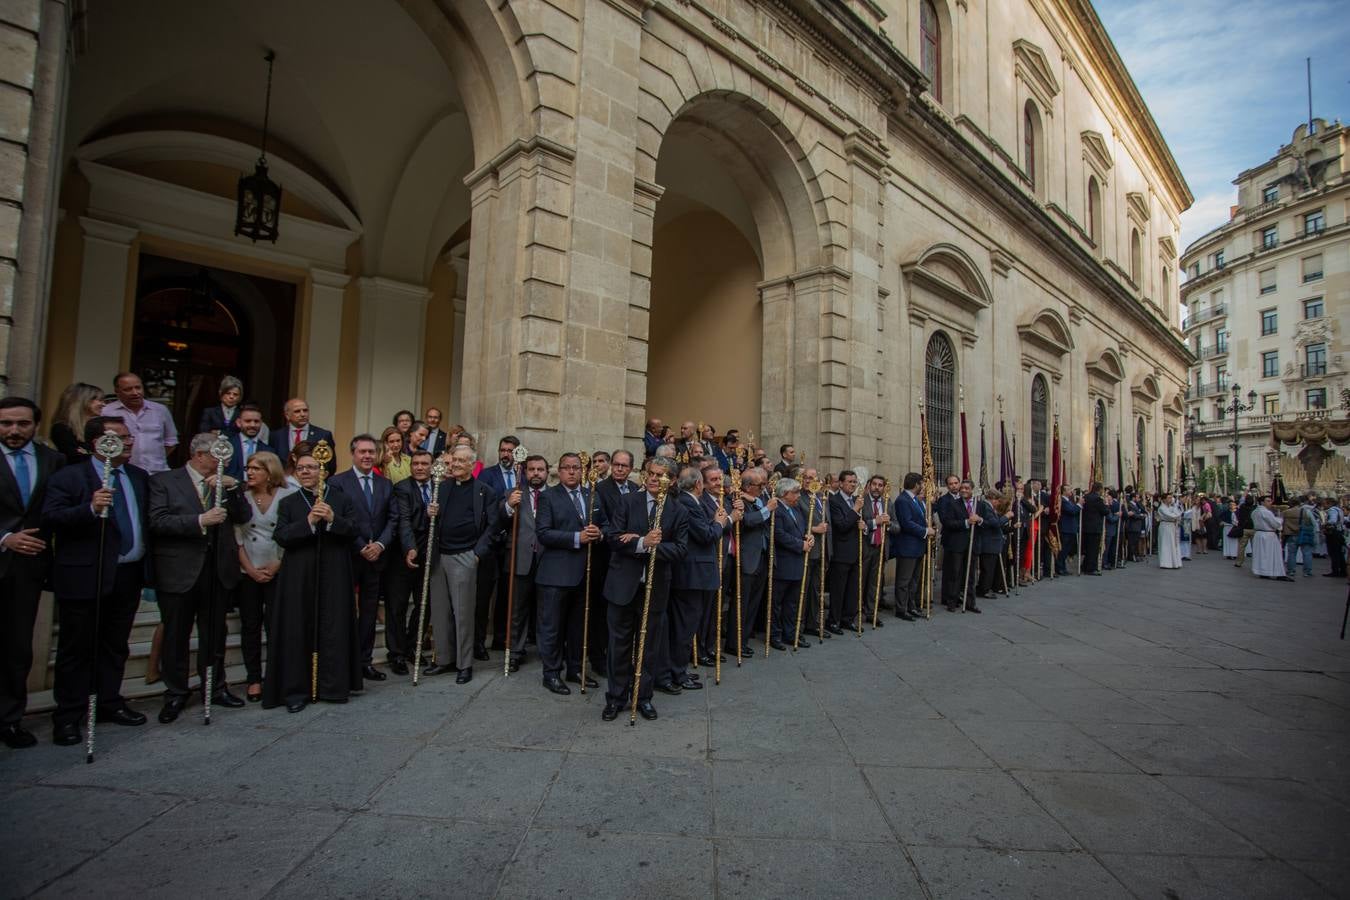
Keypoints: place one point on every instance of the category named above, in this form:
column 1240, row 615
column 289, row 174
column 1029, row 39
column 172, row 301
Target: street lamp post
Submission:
column 1188, row 452
column 1234, row 408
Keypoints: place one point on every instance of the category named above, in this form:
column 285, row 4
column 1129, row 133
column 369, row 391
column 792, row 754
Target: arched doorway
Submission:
column 940, row 395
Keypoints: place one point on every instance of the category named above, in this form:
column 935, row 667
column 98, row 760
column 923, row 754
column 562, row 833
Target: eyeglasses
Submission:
column 313, row 468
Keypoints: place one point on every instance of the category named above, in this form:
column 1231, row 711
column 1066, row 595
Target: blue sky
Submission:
column 1225, row 82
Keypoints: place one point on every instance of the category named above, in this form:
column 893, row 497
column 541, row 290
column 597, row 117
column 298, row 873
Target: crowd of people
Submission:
column 654, row 573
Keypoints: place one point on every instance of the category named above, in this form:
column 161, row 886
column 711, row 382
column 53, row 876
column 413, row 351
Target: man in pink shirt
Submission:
column 150, row 423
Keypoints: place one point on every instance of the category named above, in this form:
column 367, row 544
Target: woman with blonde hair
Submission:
column 394, row 463
column 79, row 403
column 259, row 559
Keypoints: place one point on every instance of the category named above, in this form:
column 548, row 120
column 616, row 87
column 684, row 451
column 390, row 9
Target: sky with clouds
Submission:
column 1226, row 82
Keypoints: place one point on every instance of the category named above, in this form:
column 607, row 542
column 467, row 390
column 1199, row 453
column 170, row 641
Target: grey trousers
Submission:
column 454, row 589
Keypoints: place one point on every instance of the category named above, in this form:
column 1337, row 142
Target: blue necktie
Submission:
column 365, row 488
column 22, row 475
column 510, row 478
column 126, row 533
column 576, row 501
column 250, row 448
column 426, row 494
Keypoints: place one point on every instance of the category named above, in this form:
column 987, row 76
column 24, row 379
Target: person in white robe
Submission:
column 1169, row 539
column 1185, row 528
column 1267, row 560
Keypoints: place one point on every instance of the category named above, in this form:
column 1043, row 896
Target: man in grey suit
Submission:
column 196, row 566
column 528, row 549
column 468, row 512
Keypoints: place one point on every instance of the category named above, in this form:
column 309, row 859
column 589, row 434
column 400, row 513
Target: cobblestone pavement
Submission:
column 1148, row 734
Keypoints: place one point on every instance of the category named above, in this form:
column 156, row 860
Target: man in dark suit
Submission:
column 949, row 505
column 1095, row 511
column 909, row 530
column 435, row 441
column 846, row 524
column 791, row 544
column 716, row 509
column 787, row 460
column 958, row 518
column 492, row 571
column 988, row 550
column 564, row 534
column 1069, row 514
column 609, row 492
column 876, row 521
column 815, row 510
column 91, row 648
column 522, row 570
column 468, row 514
column 246, row 440
column 372, row 495
column 634, row 534
column 25, row 556
column 196, row 566
column 752, row 557
column 693, row 582
column 297, row 428
column 403, row 588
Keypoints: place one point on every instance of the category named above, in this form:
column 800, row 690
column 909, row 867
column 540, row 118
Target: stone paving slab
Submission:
column 1148, row 734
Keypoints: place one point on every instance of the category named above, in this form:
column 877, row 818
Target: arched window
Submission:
column 1040, row 426
column 1099, row 443
column 1136, row 257
column 940, row 391
column 1140, row 458
column 1094, row 210
column 1031, row 133
column 930, row 47
column 1165, row 300
column 1171, row 448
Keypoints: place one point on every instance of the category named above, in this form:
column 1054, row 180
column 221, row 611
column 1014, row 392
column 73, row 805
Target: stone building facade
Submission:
column 554, row 217
column 1267, row 299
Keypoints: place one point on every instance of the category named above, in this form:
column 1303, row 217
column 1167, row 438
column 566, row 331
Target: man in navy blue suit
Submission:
column 846, row 524
column 693, row 580
column 297, row 428
column 560, row 582
column 246, row 437
column 92, row 645
column 910, row 532
column 791, row 544
column 371, row 494
column 492, row 569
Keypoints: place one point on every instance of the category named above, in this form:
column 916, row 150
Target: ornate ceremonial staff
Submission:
column 929, row 488
column 768, row 607
column 438, row 472
column 518, row 456
column 970, row 552
column 823, row 493
column 881, row 558
column 323, row 455
column 862, row 529
column 223, row 453
column 811, row 490
column 721, row 564
column 736, row 545
column 590, row 476
column 662, row 485
column 108, row 447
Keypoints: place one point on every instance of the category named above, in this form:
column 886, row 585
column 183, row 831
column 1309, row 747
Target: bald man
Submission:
column 297, row 428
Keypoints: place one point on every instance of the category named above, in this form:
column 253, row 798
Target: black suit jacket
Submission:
column 607, row 495
column 1094, row 514
column 436, row 444
column 627, row 565
column 556, row 526
column 75, row 529
column 14, row 516
column 180, row 547
column 281, row 442
column 698, row 570
column 843, row 527
column 373, row 523
column 213, row 419
column 955, row 524
column 410, row 518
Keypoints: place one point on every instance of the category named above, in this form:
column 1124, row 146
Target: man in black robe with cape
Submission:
column 315, row 578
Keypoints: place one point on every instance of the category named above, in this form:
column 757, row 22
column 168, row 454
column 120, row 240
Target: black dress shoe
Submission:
column 16, row 738
column 975, row 609
column 611, row 712
column 803, row 643
column 646, row 710
column 777, row 645
column 296, row 706
column 834, row 629
column 67, row 735
column 666, row 687
column 554, row 684
column 429, row 671
column 398, row 667
column 513, row 666
column 464, row 676
column 172, row 709
column 880, row 624
column 481, row 654
column 905, row 616
column 224, row 698
column 370, row 673
column 575, row 678
column 708, row 659
column 689, row 683
column 121, row 715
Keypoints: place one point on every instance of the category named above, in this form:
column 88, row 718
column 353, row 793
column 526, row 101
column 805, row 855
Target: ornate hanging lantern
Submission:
column 258, row 210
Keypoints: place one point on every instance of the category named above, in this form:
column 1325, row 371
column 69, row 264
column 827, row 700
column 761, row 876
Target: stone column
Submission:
column 320, row 388
column 866, row 163
column 389, row 361
column 461, row 268
column 103, row 300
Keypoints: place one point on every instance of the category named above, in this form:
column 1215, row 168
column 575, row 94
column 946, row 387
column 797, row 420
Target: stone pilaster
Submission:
column 103, row 300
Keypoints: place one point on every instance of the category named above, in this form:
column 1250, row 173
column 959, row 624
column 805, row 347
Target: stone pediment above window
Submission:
column 1146, row 389
column 1097, row 152
column 1176, row 406
column 1048, row 333
column 1137, row 205
column 947, row 273
column 1033, row 67
column 1107, row 367
column 1168, row 248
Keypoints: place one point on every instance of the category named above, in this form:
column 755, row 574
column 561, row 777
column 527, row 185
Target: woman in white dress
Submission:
column 1267, row 560
column 1169, row 540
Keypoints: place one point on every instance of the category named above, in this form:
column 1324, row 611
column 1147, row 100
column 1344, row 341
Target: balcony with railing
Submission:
column 1312, row 369
column 1206, row 389
column 1206, row 315
column 1212, row 351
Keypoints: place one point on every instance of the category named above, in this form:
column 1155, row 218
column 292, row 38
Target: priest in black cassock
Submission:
column 315, row 576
